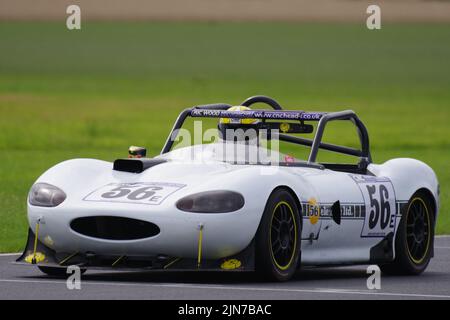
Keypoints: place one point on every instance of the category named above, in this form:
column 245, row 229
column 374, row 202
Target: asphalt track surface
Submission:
column 23, row 282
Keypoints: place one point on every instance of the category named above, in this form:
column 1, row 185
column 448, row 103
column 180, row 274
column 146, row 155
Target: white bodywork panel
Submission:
column 225, row 234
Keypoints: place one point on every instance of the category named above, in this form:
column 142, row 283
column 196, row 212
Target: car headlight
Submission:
column 46, row 195
column 219, row 201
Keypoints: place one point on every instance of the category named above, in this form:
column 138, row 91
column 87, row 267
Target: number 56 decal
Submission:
column 141, row 192
column 379, row 198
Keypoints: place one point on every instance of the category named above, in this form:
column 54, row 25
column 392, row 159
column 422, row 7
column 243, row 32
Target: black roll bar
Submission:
column 315, row 144
column 262, row 99
column 342, row 115
column 324, row 146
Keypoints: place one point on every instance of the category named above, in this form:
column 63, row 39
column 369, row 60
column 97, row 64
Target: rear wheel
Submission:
column 415, row 236
column 278, row 238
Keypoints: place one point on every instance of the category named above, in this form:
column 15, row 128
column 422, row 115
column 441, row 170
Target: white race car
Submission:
column 197, row 208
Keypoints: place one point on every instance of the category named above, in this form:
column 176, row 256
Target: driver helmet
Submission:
column 237, row 129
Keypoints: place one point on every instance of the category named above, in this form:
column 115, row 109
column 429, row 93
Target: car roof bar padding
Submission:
column 257, row 114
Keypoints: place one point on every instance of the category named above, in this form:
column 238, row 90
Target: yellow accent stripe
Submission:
column 35, row 243
column 200, row 240
column 171, row 263
column 117, row 261
column 68, row 258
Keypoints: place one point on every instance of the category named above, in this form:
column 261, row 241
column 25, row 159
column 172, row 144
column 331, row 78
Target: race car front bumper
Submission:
column 38, row 254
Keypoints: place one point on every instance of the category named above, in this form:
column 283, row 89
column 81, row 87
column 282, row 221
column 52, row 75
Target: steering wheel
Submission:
column 262, row 99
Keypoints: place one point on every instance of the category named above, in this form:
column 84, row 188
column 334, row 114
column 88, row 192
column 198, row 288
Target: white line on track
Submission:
column 215, row 287
column 9, row 254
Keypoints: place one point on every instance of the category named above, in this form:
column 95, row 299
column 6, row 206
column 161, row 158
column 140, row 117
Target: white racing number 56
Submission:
column 152, row 193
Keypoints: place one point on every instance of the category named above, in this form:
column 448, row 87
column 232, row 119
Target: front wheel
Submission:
column 414, row 240
column 278, row 237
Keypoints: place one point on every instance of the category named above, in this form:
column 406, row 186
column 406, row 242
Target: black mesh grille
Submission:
column 114, row 228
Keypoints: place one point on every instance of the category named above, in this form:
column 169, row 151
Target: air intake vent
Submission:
column 136, row 165
column 114, row 228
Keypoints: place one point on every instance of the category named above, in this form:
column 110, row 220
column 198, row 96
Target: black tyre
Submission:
column 415, row 238
column 278, row 238
column 57, row 272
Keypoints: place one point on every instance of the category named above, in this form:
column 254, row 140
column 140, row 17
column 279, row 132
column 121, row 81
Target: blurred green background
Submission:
column 92, row 93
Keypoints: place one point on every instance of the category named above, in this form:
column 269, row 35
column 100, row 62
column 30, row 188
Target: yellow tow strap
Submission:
column 200, row 240
column 33, row 261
